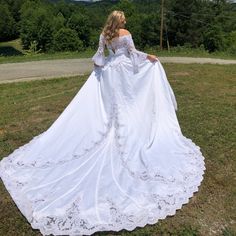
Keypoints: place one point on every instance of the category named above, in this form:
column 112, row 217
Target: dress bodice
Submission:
column 120, row 45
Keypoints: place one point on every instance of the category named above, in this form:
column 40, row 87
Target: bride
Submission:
column 116, row 157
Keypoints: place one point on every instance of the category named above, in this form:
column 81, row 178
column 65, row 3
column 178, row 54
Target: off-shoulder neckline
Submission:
column 121, row 36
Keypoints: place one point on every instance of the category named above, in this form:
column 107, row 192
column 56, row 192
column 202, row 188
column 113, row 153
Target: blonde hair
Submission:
column 112, row 25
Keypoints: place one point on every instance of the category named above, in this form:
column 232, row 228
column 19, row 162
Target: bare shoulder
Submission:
column 123, row 32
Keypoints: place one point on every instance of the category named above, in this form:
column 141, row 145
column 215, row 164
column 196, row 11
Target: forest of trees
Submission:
column 49, row 26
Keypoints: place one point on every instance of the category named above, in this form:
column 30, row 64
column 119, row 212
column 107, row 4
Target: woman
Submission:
column 115, row 158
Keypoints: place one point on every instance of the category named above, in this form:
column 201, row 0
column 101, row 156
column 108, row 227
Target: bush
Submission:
column 67, row 40
column 231, row 43
column 81, row 25
column 36, row 26
column 94, row 39
column 214, row 39
column 7, row 24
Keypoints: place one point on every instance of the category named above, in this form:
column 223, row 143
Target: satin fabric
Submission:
column 114, row 159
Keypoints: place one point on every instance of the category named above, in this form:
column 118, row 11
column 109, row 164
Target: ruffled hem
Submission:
column 99, row 59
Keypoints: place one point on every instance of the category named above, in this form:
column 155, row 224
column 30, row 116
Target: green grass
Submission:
column 13, row 44
column 185, row 52
column 206, row 112
column 12, row 51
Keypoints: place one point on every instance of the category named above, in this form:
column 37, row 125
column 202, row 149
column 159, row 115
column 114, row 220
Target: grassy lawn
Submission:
column 206, row 102
column 12, row 51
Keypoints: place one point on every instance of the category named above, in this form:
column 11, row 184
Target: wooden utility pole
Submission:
column 162, row 16
column 167, row 40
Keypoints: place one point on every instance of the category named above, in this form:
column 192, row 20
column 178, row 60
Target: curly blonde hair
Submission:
column 113, row 23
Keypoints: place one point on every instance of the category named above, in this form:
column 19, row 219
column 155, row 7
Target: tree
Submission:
column 134, row 24
column 67, row 40
column 214, row 39
column 125, row 5
column 199, row 22
column 64, row 8
column 81, row 25
column 7, row 23
column 231, row 42
column 36, row 26
column 179, row 21
column 59, row 22
column 150, row 31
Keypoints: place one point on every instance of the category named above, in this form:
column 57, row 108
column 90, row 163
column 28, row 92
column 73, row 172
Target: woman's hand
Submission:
column 152, row 58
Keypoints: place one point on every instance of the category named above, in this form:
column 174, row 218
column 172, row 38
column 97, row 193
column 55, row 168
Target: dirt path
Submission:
column 12, row 72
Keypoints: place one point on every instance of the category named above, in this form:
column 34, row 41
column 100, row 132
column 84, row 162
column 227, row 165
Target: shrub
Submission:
column 81, row 25
column 7, row 24
column 231, row 43
column 67, row 40
column 36, row 26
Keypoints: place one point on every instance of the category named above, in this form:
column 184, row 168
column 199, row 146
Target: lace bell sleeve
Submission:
column 99, row 57
column 136, row 56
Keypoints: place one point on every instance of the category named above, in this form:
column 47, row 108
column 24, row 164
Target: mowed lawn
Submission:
column 206, row 111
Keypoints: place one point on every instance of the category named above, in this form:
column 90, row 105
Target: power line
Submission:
column 206, row 24
column 204, row 14
column 188, row 17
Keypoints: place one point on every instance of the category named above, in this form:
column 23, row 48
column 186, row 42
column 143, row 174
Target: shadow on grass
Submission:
column 9, row 51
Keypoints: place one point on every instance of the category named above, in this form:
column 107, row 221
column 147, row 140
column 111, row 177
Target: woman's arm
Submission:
column 137, row 56
column 99, row 56
column 152, row 58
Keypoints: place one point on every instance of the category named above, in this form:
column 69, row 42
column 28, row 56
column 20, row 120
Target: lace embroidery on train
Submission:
column 113, row 121
column 73, row 221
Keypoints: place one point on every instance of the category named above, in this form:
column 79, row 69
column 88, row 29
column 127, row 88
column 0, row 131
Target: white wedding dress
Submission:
column 114, row 159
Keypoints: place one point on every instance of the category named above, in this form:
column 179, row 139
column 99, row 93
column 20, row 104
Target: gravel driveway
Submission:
column 12, row 72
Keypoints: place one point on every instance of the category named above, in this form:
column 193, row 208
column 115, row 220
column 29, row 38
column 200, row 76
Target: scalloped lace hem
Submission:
column 74, row 224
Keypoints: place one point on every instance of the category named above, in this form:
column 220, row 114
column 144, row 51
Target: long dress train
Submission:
column 114, row 159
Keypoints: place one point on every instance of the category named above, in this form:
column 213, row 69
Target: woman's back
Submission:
column 123, row 44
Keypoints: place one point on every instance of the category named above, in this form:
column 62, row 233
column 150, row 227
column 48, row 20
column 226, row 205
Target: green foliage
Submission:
column 36, row 25
column 10, row 18
column 231, row 42
column 33, row 48
column 67, row 39
column 125, row 5
column 201, row 22
column 187, row 49
column 7, row 23
column 134, row 24
column 198, row 22
column 214, row 39
column 64, row 8
column 94, row 39
column 186, row 25
column 150, row 29
column 81, row 25
column 59, row 21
